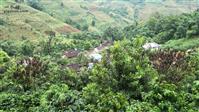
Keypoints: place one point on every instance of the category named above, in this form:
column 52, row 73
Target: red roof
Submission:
column 71, row 54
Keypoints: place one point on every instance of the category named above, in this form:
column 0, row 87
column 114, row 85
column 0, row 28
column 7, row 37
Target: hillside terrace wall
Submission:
column 12, row 11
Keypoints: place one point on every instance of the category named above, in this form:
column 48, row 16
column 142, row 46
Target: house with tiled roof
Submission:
column 71, row 53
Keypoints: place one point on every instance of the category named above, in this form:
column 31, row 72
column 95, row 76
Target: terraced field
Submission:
column 112, row 13
column 19, row 21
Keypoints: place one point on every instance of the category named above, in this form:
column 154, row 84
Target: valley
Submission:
column 99, row 55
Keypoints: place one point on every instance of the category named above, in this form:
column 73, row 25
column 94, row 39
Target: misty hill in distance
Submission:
column 65, row 16
column 113, row 12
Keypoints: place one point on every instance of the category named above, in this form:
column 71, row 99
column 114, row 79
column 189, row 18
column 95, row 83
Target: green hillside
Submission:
column 98, row 15
column 99, row 56
column 182, row 44
column 81, row 14
column 22, row 21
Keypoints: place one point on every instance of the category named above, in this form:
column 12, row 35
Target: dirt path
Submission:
column 89, row 54
column 100, row 48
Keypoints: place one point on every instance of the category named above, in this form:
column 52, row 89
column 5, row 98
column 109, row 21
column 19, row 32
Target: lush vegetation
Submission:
column 35, row 4
column 125, row 80
column 36, row 75
column 109, row 12
column 163, row 28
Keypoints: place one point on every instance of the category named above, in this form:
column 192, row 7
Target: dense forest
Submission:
column 57, row 73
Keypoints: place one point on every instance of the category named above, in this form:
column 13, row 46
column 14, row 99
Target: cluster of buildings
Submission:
column 94, row 55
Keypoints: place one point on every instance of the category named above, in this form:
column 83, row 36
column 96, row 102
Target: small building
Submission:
column 71, row 54
column 90, row 65
column 152, row 45
column 96, row 57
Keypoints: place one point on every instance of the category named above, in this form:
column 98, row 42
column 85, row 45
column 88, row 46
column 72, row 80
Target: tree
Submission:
column 180, row 32
column 51, row 35
column 113, row 33
column 35, row 4
column 27, row 48
column 19, row 1
column 62, row 4
column 129, row 69
column 85, row 27
column 2, row 22
column 4, row 58
column 59, row 97
column 11, row 47
column 93, row 23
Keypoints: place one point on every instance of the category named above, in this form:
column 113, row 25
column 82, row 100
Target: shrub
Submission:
column 10, row 47
column 35, row 4
column 2, row 22
column 30, row 72
column 59, row 97
column 4, row 58
column 27, row 48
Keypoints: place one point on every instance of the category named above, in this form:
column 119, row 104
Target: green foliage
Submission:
column 59, row 97
column 113, row 33
column 93, row 23
column 129, row 69
column 163, row 29
column 9, row 102
column 10, row 47
column 35, row 4
column 74, row 24
column 182, row 44
column 13, row 48
column 3, row 57
column 137, row 106
column 168, row 98
column 111, row 102
column 126, row 79
column 83, row 27
column 27, row 48
column 2, row 22
column 17, row 102
column 28, row 70
column 91, row 93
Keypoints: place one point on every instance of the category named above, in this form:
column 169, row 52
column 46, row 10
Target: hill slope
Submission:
column 22, row 21
column 81, row 14
column 100, row 14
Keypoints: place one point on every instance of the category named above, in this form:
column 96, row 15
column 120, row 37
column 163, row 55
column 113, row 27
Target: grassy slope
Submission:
column 73, row 10
column 110, row 12
column 182, row 44
column 31, row 24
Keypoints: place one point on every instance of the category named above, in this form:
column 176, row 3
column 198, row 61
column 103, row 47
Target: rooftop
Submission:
column 71, row 53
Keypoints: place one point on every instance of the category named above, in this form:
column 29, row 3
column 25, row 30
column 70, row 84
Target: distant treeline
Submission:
column 162, row 28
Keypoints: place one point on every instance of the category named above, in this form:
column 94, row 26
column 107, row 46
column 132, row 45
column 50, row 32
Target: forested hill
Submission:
column 164, row 28
column 45, row 69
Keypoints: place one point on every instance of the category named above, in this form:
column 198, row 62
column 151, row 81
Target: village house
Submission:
column 71, row 54
column 151, row 45
column 96, row 57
